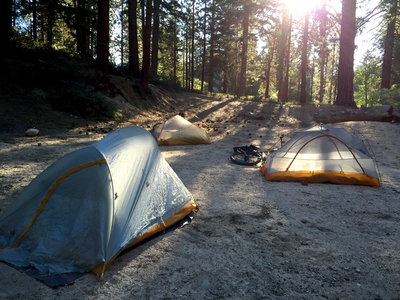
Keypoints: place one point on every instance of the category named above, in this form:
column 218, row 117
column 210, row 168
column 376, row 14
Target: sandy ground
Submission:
column 251, row 239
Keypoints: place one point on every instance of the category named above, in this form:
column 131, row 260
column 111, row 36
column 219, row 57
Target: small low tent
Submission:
column 322, row 154
column 87, row 207
column 178, row 131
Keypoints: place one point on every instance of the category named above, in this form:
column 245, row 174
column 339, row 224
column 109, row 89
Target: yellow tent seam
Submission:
column 189, row 207
column 48, row 195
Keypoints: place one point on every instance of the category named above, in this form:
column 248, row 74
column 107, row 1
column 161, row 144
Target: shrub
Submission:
column 83, row 101
column 389, row 96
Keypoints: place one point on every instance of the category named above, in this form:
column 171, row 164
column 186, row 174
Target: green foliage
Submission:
column 70, row 26
column 197, row 85
column 389, row 96
column 58, row 79
column 367, row 82
column 83, row 101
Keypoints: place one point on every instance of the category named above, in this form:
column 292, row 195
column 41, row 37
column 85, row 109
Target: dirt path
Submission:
column 250, row 239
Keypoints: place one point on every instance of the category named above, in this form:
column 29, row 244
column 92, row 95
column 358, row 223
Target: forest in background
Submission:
column 247, row 48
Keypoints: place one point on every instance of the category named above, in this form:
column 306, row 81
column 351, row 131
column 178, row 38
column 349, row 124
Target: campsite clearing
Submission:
column 250, row 238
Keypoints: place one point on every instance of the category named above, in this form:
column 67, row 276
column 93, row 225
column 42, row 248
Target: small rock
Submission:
column 32, row 132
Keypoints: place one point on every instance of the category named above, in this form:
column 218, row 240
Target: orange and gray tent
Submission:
column 87, row 207
column 178, row 131
column 322, row 154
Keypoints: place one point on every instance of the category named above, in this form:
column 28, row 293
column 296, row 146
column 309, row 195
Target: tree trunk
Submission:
column 212, row 38
column 34, row 20
column 142, row 15
column 304, row 62
column 225, row 80
column 175, row 59
column 146, row 48
column 322, row 52
column 184, row 61
column 203, row 62
column 6, row 26
column 241, row 91
column 281, row 52
column 192, row 47
column 122, row 18
column 50, row 18
column 333, row 81
column 155, row 39
column 103, row 35
column 82, row 29
column 268, row 71
column 388, row 50
column 14, row 13
column 366, row 89
column 175, row 42
column 133, row 39
column 345, row 96
column 187, row 61
column 285, row 84
column 340, row 114
column 311, row 93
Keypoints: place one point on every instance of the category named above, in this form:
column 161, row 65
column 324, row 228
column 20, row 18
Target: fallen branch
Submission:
column 383, row 113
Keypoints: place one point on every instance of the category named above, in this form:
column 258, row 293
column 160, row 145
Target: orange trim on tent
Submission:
column 189, row 207
column 47, row 197
column 322, row 176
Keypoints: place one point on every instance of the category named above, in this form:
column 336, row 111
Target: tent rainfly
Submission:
column 87, row 207
column 322, row 154
column 178, row 131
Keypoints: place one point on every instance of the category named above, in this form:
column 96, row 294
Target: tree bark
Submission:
column 103, row 35
column 133, row 39
column 282, row 54
column 304, row 62
column 339, row 114
column 82, row 29
column 366, row 89
column 241, row 91
column 268, row 71
column 333, row 81
column 50, row 18
column 187, row 61
column 388, row 47
column 146, row 48
column 287, row 63
column 212, row 40
column 6, row 26
column 345, row 95
column 192, row 47
column 203, row 62
column 322, row 52
column 34, row 20
column 311, row 92
column 122, row 19
column 155, row 39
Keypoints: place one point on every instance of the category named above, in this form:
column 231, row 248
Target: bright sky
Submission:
column 301, row 7
column 364, row 39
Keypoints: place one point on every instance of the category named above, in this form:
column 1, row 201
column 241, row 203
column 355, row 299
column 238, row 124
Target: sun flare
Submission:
column 302, row 7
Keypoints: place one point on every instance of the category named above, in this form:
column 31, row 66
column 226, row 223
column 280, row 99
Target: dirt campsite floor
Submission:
column 251, row 239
